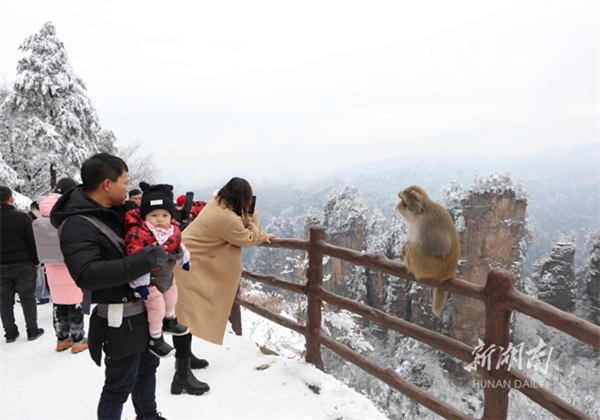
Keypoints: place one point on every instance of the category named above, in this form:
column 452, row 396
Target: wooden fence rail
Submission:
column 498, row 295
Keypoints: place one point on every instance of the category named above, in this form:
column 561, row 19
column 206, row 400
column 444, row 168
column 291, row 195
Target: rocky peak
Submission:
column 494, row 236
column 592, row 281
column 556, row 282
column 345, row 220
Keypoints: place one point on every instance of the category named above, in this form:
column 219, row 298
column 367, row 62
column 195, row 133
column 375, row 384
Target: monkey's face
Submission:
column 410, row 202
column 402, row 207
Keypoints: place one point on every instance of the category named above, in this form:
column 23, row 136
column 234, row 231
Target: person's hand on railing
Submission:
column 269, row 237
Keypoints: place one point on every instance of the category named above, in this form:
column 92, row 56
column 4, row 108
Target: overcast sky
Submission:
column 273, row 89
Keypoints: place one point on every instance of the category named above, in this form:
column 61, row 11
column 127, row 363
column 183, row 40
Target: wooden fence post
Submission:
column 497, row 334
column 314, row 277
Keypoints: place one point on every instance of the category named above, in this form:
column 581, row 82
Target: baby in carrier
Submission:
column 153, row 223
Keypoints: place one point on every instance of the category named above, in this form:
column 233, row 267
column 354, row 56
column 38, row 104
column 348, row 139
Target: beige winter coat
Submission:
column 207, row 291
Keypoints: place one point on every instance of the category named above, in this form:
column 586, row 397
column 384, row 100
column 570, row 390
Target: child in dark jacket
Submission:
column 153, row 223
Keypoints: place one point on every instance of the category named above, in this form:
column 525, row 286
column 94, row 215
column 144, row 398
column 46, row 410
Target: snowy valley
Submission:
column 363, row 218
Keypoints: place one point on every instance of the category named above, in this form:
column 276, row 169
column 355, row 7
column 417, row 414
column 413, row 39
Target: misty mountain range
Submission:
column 563, row 183
column 563, row 188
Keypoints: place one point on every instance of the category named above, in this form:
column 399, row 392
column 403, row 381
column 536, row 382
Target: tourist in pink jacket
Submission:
column 66, row 296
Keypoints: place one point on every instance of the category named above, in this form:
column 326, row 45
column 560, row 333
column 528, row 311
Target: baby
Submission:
column 153, row 223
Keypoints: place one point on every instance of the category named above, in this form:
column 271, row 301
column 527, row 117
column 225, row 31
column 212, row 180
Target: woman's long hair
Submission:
column 236, row 195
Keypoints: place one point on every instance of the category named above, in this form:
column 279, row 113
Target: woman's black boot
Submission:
column 184, row 379
column 197, row 363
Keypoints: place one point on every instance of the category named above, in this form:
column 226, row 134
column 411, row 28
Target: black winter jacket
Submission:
column 97, row 265
column 17, row 244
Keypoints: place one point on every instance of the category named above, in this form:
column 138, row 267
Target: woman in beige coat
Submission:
column 206, row 293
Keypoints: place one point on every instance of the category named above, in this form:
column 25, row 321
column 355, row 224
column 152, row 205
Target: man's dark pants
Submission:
column 18, row 278
column 135, row 375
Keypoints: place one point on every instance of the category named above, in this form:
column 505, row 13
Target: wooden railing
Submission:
column 500, row 299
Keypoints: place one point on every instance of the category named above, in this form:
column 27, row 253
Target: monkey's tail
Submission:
column 439, row 300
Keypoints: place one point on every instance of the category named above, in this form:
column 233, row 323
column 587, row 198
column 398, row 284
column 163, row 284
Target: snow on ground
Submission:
column 38, row 383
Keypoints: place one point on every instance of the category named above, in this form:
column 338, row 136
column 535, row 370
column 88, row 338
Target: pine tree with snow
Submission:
column 49, row 124
column 7, row 175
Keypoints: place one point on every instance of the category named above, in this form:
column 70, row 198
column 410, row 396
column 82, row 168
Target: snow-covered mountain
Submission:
column 561, row 192
column 563, row 186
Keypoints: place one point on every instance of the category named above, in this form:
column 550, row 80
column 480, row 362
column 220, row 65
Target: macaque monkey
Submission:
column 433, row 246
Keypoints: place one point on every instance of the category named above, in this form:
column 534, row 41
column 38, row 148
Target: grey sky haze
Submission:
column 271, row 89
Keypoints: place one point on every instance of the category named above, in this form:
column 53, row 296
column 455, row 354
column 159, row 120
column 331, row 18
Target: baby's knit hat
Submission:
column 159, row 196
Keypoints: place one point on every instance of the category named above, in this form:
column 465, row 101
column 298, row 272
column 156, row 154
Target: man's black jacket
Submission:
column 17, row 244
column 97, row 265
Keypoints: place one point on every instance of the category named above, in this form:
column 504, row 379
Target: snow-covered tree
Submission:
column 4, row 91
column 344, row 328
column 7, row 175
column 49, row 126
column 345, row 221
column 107, row 142
column 344, row 211
column 313, row 218
column 451, row 200
column 378, row 233
column 500, row 184
column 141, row 165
